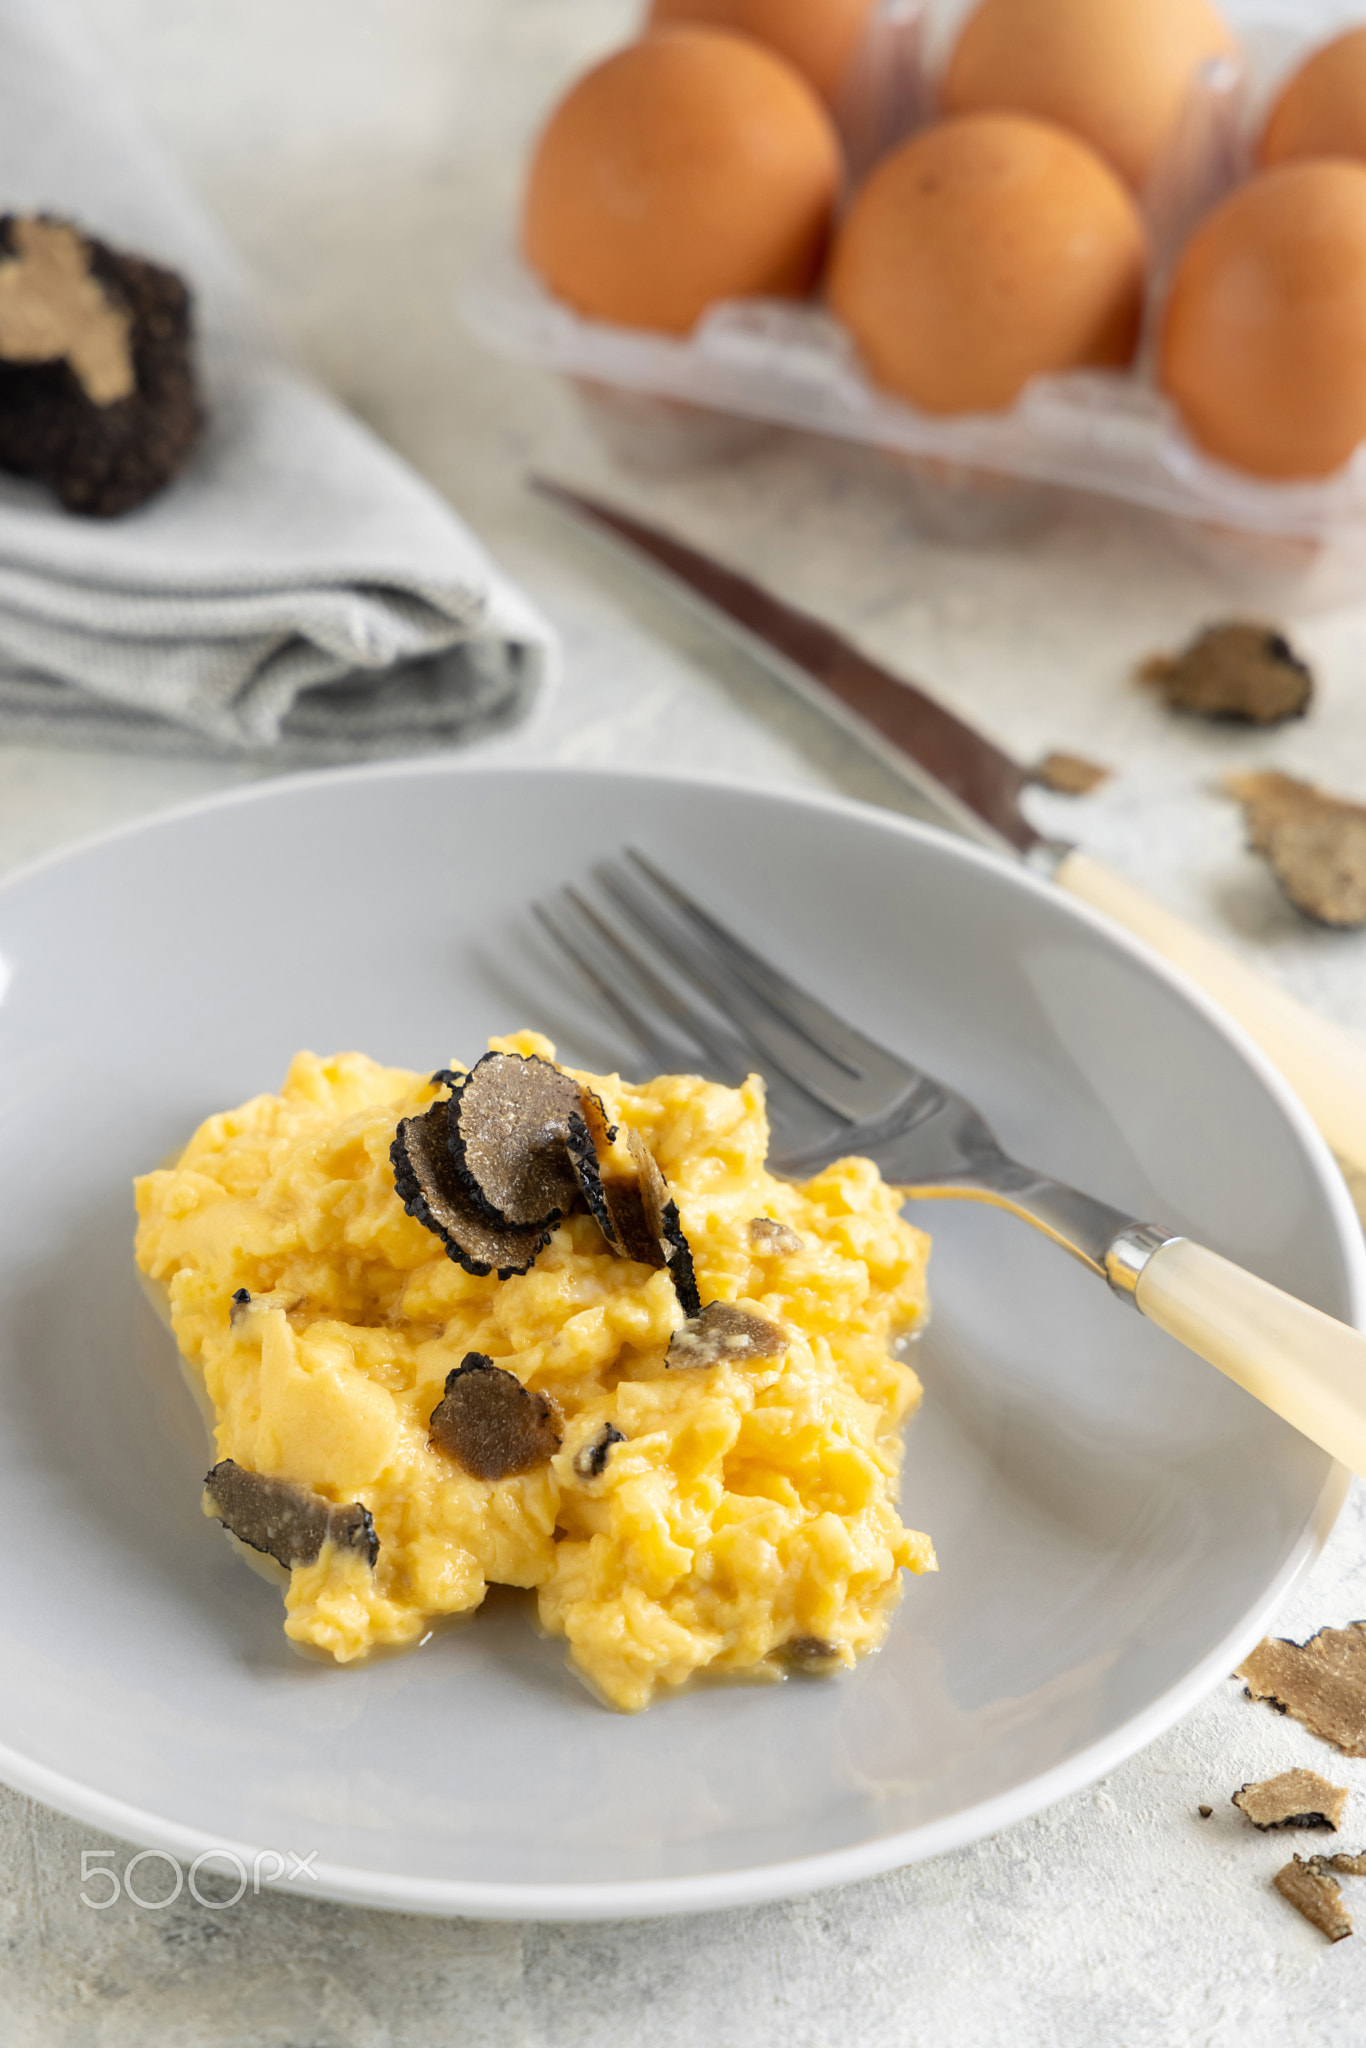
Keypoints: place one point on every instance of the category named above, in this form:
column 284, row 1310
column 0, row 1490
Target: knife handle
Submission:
column 1300, row 1362
column 1325, row 1067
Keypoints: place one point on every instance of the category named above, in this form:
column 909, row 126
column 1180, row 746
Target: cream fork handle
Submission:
column 1326, row 1068
column 1308, row 1368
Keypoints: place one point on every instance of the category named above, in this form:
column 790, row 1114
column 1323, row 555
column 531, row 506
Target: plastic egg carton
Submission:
column 756, row 368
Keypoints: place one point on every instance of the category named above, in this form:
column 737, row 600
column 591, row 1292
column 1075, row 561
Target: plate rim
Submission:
column 758, row 1883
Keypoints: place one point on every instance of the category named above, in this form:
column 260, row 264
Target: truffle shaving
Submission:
column 613, row 1198
column 723, row 1332
column 1242, row 670
column 1295, row 1799
column 1321, row 1683
column 491, row 1424
column 1315, row 843
column 589, row 1138
column 1316, row 1895
column 286, row 1521
column 632, row 1236
column 665, row 1225
column 591, row 1461
column 507, row 1125
column 1270, row 800
column 773, row 1240
column 1070, row 774
column 431, row 1190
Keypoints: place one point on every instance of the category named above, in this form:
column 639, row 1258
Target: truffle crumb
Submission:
column 1321, row 1683
column 432, row 1191
column 1316, row 1895
column 591, row 1461
column 97, row 387
column 490, row 1423
column 287, row 1522
column 241, row 1302
column 1295, row 1799
column 1241, row 670
column 1070, row 774
column 812, row 1653
column 1204, row 1811
column 773, row 1240
column 724, row 1332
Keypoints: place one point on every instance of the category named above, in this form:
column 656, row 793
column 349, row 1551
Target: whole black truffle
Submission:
column 97, row 388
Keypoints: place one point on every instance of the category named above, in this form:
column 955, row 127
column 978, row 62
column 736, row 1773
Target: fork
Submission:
column 834, row 1091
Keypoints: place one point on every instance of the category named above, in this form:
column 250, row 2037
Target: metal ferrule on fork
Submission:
column 1112, row 1246
column 1128, row 1254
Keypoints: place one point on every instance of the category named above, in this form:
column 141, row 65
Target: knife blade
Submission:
column 976, row 786
column 942, row 755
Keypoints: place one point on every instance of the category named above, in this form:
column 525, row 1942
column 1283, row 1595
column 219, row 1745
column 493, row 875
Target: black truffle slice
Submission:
column 97, row 388
column 1321, row 1682
column 1319, row 1897
column 591, row 1461
column 508, row 1125
column 723, row 1332
column 1315, row 842
column 431, row 1190
column 1296, row 1799
column 614, row 1199
column 665, row 1226
column 286, row 1521
column 1241, row 670
column 632, row 1236
column 490, row 1423
column 1321, row 865
column 589, row 1138
column 583, row 1161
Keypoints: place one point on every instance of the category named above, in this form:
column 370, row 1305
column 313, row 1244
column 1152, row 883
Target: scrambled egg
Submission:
column 751, row 1505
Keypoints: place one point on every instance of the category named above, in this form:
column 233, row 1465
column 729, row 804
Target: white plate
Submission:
column 1115, row 1522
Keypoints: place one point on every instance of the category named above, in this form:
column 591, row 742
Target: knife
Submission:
column 977, row 787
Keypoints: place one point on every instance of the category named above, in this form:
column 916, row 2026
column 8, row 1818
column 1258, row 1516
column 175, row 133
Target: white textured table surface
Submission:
column 363, row 152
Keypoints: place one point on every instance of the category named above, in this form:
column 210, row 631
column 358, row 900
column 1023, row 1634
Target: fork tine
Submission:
column 723, row 1054
column 823, row 1028
column 655, row 1047
column 827, row 1081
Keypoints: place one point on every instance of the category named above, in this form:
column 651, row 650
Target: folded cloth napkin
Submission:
column 296, row 589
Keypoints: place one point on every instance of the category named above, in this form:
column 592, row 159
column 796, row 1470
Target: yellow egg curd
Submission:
column 748, row 1516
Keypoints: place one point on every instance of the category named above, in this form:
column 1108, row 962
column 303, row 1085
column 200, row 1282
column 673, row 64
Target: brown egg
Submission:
column 1114, row 71
column 1263, row 347
column 819, row 36
column 984, row 252
column 1321, row 109
column 690, row 167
